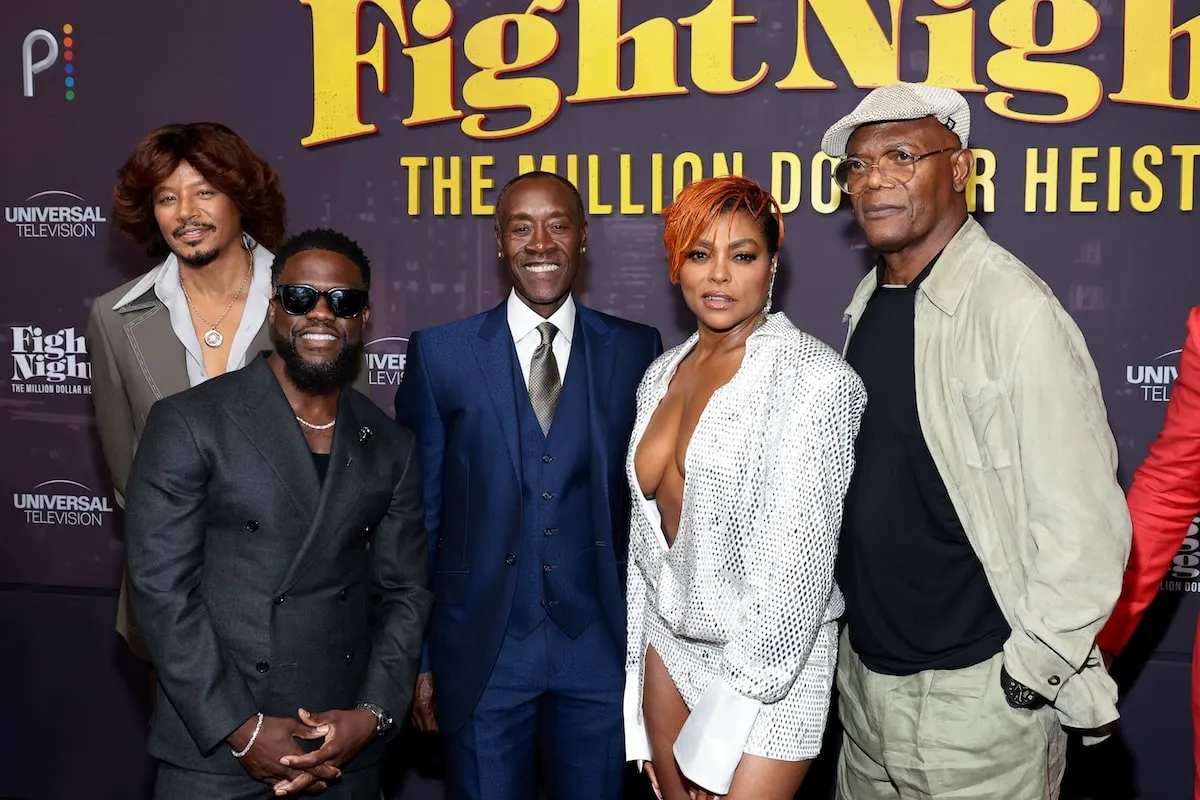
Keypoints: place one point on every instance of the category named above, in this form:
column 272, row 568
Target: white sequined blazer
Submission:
column 751, row 570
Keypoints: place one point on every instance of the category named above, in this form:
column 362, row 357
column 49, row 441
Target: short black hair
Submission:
column 321, row 239
column 538, row 173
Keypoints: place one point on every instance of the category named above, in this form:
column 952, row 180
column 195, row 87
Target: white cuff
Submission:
column 637, row 745
column 709, row 748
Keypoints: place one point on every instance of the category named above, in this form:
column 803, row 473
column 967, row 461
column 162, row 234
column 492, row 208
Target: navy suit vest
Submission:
column 556, row 573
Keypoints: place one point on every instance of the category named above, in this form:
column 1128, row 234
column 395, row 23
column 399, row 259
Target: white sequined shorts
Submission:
column 791, row 729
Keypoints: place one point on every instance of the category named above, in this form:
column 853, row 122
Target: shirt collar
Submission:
column 881, row 272
column 523, row 320
column 165, row 277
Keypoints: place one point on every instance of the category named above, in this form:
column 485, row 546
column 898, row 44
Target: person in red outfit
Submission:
column 1163, row 500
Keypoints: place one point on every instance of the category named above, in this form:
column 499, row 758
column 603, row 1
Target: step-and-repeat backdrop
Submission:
column 396, row 121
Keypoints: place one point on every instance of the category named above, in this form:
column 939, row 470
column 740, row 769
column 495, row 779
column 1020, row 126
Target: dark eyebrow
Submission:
column 521, row 215
column 201, row 181
column 705, row 243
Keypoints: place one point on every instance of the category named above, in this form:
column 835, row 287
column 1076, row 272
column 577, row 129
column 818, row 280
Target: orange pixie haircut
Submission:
column 702, row 203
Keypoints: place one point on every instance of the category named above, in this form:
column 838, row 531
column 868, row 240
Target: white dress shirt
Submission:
column 523, row 324
column 165, row 280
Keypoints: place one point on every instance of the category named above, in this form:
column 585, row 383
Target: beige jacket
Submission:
column 1011, row 408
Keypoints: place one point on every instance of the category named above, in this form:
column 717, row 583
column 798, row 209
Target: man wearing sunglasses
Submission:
column 277, row 554
column 523, row 414
column 985, row 532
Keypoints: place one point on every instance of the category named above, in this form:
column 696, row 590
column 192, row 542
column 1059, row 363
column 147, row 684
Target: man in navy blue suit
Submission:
column 523, row 416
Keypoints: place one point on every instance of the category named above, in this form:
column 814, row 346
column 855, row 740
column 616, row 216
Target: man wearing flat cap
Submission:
column 985, row 533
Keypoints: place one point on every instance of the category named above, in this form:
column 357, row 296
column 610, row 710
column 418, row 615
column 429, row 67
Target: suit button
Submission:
column 252, row 525
column 547, row 531
column 262, row 666
column 279, row 600
column 547, row 495
column 349, row 657
column 367, row 529
column 547, row 568
column 547, row 459
column 510, row 559
column 1054, row 680
column 342, row 594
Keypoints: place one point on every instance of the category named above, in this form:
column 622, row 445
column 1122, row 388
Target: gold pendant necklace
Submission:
column 213, row 337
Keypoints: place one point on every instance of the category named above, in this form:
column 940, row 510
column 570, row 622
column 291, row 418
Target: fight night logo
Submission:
column 47, row 361
column 613, row 62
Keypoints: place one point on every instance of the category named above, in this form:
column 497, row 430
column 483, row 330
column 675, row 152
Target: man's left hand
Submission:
column 346, row 734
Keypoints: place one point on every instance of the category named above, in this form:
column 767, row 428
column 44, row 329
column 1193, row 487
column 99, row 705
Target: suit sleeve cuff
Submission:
column 637, row 744
column 425, row 667
column 710, row 746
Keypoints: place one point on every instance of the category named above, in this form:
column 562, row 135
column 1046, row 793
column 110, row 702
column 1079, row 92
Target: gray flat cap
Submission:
column 897, row 102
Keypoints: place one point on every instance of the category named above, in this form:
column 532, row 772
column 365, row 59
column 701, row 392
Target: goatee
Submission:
column 198, row 260
column 318, row 378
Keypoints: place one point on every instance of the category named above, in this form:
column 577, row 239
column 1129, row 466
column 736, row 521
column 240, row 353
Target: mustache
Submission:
column 182, row 229
column 315, row 327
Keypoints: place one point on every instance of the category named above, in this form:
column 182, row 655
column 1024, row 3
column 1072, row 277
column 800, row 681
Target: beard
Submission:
column 201, row 259
column 196, row 258
column 320, row 377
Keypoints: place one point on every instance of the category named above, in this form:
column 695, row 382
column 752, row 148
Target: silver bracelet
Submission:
column 253, row 736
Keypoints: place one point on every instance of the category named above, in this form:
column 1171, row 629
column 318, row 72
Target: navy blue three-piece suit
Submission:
column 528, row 535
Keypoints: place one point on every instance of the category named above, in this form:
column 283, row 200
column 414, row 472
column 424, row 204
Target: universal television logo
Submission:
column 30, row 67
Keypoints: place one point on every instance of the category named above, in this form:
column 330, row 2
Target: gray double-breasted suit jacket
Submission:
column 136, row 361
column 257, row 586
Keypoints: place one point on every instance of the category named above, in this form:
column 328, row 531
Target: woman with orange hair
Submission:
column 740, row 458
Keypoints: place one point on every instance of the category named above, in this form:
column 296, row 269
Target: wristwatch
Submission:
column 383, row 720
column 1017, row 694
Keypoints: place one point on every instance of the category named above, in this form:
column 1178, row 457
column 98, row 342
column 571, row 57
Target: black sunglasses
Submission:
column 298, row 299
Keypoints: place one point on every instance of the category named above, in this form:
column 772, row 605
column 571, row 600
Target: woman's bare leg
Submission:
column 759, row 778
column 756, row 778
column 665, row 712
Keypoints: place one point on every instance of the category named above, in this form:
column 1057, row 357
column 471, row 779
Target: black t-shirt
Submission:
column 321, row 462
column 916, row 594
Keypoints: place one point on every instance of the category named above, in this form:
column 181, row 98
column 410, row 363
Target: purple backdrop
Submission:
column 1087, row 174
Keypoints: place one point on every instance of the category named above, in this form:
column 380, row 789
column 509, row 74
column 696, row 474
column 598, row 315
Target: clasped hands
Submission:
column 277, row 759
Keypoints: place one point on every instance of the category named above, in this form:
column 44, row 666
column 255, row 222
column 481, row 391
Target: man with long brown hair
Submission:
column 198, row 197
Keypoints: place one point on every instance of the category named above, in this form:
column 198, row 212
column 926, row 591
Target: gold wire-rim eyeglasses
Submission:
column 886, row 173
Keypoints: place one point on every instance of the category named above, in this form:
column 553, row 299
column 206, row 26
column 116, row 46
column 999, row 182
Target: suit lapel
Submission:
column 494, row 353
column 260, row 342
column 600, row 355
column 348, row 472
column 158, row 351
column 265, row 417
